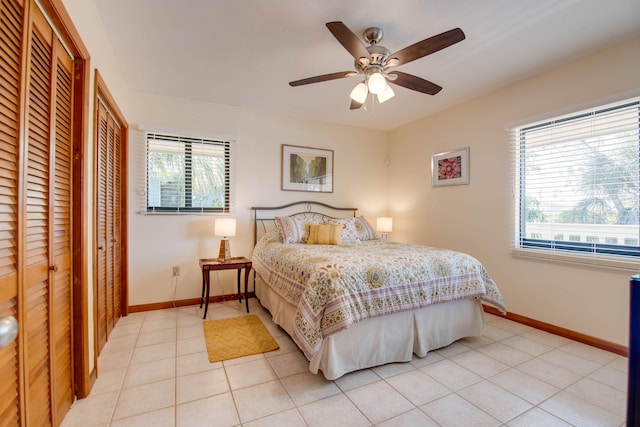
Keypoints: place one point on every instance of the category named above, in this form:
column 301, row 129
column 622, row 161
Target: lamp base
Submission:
column 383, row 236
column 225, row 250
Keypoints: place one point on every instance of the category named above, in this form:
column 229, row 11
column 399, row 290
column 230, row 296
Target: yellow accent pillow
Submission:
column 325, row 234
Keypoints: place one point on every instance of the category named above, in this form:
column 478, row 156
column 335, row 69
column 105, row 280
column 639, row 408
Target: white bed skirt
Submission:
column 377, row 341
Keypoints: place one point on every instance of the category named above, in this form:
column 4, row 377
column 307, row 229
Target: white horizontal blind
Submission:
column 186, row 174
column 577, row 181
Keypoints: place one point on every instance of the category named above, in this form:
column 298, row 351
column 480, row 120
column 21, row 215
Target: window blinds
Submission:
column 577, row 182
column 187, row 174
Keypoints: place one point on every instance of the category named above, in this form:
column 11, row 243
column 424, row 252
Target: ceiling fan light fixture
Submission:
column 386, row 94
column 374, row 61
column 376, row 83
column 359, row 93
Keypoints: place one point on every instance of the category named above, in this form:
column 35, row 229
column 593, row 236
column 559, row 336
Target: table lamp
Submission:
column 225, row 227
column 384, row 225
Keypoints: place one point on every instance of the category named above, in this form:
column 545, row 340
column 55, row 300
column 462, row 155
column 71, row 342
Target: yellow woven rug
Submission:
column 237, row 337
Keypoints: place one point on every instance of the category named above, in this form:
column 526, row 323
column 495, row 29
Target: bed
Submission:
column 351, row 300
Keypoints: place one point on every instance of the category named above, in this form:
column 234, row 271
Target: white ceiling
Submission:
column 244, row 52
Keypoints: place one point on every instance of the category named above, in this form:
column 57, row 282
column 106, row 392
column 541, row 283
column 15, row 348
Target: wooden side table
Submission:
column 210, row 264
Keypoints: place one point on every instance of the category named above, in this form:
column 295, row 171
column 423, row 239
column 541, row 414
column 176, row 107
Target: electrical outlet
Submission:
column 176, row 270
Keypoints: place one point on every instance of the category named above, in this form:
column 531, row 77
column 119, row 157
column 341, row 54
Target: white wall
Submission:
column 478, row 218
column 158, row 242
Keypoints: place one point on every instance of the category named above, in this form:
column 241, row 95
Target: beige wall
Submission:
column 158, row 242
column 478, row 218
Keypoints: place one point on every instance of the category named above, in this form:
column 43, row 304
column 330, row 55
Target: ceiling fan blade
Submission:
column 355, row 105
column 415, row 83
column 348, row 40
column 428, row 46
column 322, row 78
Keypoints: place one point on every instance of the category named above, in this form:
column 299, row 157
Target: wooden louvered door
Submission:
column 47, row 312
column 11, row 17
column 118, row 230
column 36, row 221
column 60, row 232
column 109, row 229
column 101, row 226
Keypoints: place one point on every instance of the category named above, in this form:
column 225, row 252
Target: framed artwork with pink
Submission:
column 450, row 168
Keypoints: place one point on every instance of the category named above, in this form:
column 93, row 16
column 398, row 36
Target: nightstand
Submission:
column 210, row 264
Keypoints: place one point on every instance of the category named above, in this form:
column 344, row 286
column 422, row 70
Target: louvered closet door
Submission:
column 102, row 180
column 110, row 312
column 61, row 313
column 116, row 208
column 47, row 305
column 108, row 224
column 11, row 17
column 36, row 381
column 35, row 319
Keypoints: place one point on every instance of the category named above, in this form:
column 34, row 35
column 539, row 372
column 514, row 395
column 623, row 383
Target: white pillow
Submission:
column 364, row 229
column 293, row 229
column 349, row 231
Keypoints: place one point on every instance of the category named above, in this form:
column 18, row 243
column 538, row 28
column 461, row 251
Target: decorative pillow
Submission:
column 289, row 229
column 349, row 232
column 364, row 229
column 294, row 229
column 325, row 234
column 272, row 235
column 304, row 223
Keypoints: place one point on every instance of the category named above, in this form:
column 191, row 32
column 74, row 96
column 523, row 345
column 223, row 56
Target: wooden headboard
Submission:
column 263, row 217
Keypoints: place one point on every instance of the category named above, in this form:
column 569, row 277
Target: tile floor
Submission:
column 154, row 371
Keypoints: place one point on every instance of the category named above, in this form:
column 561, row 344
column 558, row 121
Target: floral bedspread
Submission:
column 336, row 286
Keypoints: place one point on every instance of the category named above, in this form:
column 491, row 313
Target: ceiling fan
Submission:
column 375, row 61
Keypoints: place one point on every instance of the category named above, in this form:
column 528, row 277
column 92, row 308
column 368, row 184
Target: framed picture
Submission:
column 307, row 169
column 450, row 168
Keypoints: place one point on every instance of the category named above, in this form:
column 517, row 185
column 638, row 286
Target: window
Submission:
column 188, row 174
column 578, row 182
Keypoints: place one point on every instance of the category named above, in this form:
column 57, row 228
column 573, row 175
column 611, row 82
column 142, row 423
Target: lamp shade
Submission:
column 386, row 94
column 384, row 224
column 359, row 93
column 225, row 227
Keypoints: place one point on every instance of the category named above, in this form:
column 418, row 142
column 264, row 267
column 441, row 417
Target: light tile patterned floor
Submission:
column 154, row 371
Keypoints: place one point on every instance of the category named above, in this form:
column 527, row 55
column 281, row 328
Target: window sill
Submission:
column 615, row 263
